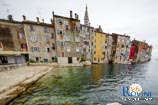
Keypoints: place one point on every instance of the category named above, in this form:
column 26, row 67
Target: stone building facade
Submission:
column 13, row 46
column 142, row 51
column 40, row 39
column 100, row 51
column 122, row 49
column 86, row 34
column 66, row 40
column 67, row 31
column 108, row 47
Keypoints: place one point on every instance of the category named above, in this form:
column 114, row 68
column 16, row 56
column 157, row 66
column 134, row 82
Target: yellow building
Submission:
column 99, row 47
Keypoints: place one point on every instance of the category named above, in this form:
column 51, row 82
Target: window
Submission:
column 52, row 35
column 84, row 49
column 53, row 46
column 35, row 49
column 94, row 46
column 47, row 38
column 46, row 60
column 60, row 21
column 94, row 58
column 86, row 42
column 33, row 38
column 32, row 28
column 76, row 39
column 67, row 27
column 94, row 52
column 77, row 50
column 21, row 35
column 23, row 46
column 62, row 43
column 122, row 46
column 46, row 29
column 60, row 32
column 48, row 50
column 67, row 38
column 37, row 59
column 54, row 59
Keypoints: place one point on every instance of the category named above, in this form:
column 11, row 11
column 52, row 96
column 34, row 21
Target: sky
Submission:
column 136, row 18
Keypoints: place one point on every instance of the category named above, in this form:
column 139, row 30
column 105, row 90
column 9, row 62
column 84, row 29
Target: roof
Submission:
column 8, row 21
column 26, row 22
column 66, row 18
column 120, row 35
column 36, row 23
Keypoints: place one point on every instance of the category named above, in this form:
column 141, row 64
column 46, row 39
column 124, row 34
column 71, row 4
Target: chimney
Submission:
column 70, row 14
column 51, row 21
column 53, row 13
column 37, row 19
column 43, row 20
column 75, row 15
column 24, row 17
column 10, row 17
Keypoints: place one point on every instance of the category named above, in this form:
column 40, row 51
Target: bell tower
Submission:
column 86, row 17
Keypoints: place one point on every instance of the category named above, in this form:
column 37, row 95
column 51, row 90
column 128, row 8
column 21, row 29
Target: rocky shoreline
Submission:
column 10, row 92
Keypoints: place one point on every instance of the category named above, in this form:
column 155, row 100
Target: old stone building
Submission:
column 86, row 34
column 66, row 40
column 140, row 51
column 108, row 47
column 122, row 49
column 100, row 46
column 67, row 31
column 13, row 46
column 40, row 39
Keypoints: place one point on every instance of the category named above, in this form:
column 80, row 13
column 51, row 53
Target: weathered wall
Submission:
column 67, row 31
column 99, row 47
column 40, row 40
column 86, row 34
column 8, row 36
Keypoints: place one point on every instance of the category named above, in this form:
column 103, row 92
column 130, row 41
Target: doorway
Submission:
column 69, row 59
column 3, row 59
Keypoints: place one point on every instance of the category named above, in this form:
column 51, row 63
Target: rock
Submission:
column 86, row 63
column 58, row 77
column 11, row 92
column 115, row 103
column 69, row 103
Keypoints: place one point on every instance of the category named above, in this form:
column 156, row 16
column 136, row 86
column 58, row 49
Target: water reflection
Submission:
column 97, row 84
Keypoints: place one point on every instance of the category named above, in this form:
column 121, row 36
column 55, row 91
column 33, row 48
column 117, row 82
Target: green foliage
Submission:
column 83, row 59
column 32, row 61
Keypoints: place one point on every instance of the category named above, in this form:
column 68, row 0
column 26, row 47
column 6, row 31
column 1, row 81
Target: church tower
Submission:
column 86, row 18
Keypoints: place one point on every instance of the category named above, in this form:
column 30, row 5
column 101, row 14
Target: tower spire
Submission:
column 86, row 17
